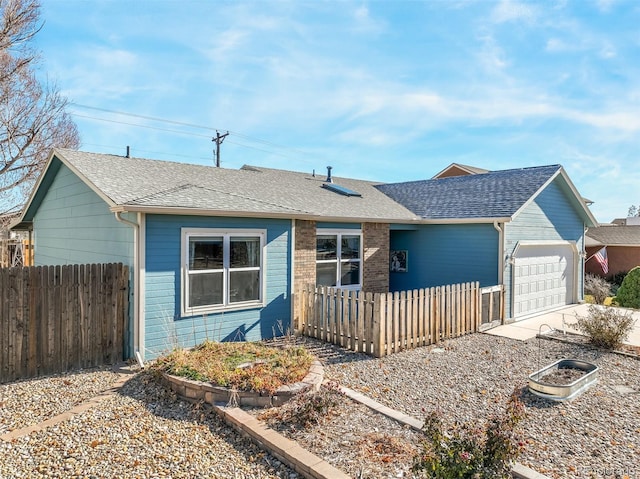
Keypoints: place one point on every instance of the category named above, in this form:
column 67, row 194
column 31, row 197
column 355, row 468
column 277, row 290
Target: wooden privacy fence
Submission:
column 56, row 318
column 383, row 323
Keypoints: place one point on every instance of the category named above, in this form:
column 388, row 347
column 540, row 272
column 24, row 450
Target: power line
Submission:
column 180, row 132
column 190, row 125
column 144, row 117
column 141, row 126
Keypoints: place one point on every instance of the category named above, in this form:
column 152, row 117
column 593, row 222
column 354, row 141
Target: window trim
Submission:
column 340, row 233
column 227, row 234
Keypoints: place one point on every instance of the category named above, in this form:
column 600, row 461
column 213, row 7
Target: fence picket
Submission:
column 367, row 324
column 378, row 307
column 403, row 320
column 384, row 323
column 395, row 321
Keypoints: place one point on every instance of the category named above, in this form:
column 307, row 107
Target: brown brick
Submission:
column 375, row 274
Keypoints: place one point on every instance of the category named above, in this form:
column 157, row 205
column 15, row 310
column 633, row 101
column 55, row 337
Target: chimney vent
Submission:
column 329, row 179
column 128, row 152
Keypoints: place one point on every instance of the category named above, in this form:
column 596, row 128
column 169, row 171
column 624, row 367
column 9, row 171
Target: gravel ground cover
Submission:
column 470, row 378
column 141, row 432
column 355, row 439
column 26, row 403
column 146, row 432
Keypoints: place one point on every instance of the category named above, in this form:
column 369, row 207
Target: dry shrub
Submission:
column 470, row 451
column 598, row 287
column 606, row 327
column 384, row 448
column 309, row 408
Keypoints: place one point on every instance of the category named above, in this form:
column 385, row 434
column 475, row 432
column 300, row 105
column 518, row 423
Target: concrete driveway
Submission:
column 559, row 319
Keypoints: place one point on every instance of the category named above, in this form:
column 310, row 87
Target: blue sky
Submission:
column 380, row 90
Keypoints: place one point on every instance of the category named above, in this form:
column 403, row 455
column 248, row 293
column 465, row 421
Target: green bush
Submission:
column 598, row 287
column 606, row 327
column 469, row 451
column 629, row 292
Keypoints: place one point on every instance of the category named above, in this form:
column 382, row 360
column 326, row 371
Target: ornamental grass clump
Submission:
column 606, row 327
column 245, row 366
column 470, row 451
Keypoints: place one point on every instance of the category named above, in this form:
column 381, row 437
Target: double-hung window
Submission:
column 222, row 269
column 339, row 259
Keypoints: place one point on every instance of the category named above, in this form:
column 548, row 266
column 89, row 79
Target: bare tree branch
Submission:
column 33, row 117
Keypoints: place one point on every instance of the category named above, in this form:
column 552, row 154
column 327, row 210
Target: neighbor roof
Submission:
column 613, row 235
column 492, row 195
column 458, row 169
column 136, row 184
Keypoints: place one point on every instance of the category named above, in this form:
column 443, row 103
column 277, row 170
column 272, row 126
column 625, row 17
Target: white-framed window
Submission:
column 339, row 258
column 222, row 269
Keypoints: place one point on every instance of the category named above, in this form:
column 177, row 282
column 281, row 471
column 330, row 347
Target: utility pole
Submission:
column 218, row 141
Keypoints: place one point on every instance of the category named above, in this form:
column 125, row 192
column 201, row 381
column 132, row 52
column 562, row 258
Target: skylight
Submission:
column 341, row 190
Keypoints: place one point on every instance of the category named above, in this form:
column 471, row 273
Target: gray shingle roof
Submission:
column 137, row 182
column 496, row 194
column 615, row 235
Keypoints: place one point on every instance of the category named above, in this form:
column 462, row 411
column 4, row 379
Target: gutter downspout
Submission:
column 500, row 230
column 136, row 285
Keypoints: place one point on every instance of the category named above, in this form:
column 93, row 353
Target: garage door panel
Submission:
column 543, row 278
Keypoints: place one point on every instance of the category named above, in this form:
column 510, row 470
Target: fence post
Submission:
column 478, row 308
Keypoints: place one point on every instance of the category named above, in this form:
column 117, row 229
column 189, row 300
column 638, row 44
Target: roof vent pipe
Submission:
column 329, row 179
column 128, row 152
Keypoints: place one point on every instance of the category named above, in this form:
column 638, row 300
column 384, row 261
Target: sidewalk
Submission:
column 560, row 320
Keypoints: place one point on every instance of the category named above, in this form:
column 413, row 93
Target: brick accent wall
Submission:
column 304, row 254
column 375, row 237
column 304, row 262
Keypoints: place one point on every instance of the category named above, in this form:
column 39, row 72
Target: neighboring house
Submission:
column 457, row 169
column 219, row 253
column 523, row 228
column 623, row 246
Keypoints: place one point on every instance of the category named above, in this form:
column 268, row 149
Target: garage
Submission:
column 543, row 277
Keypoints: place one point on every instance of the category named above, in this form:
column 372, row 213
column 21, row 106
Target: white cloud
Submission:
column 556, row 45
column 365, row 22
column 605, row 5
column 511, row 11
column 607, row 50
column 225, row 44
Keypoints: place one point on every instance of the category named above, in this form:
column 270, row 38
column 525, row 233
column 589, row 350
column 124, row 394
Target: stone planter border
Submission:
column 212, row 394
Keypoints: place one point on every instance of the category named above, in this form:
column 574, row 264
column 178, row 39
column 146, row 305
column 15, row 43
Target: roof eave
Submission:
column 19, row 225
column 84, row 179
column 439, row 221
column 170, row 210
column 587, row 215
column 55, row 153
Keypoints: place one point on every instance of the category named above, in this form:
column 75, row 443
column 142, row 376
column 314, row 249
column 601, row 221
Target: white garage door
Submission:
column 543, row 278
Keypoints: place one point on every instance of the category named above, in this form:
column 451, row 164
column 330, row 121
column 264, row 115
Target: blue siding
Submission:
column 550, row 217
column 166, row 329
column 73, row 225
column 446, row 254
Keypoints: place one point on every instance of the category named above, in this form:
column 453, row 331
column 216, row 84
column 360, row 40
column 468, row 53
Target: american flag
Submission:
column 601, row 257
